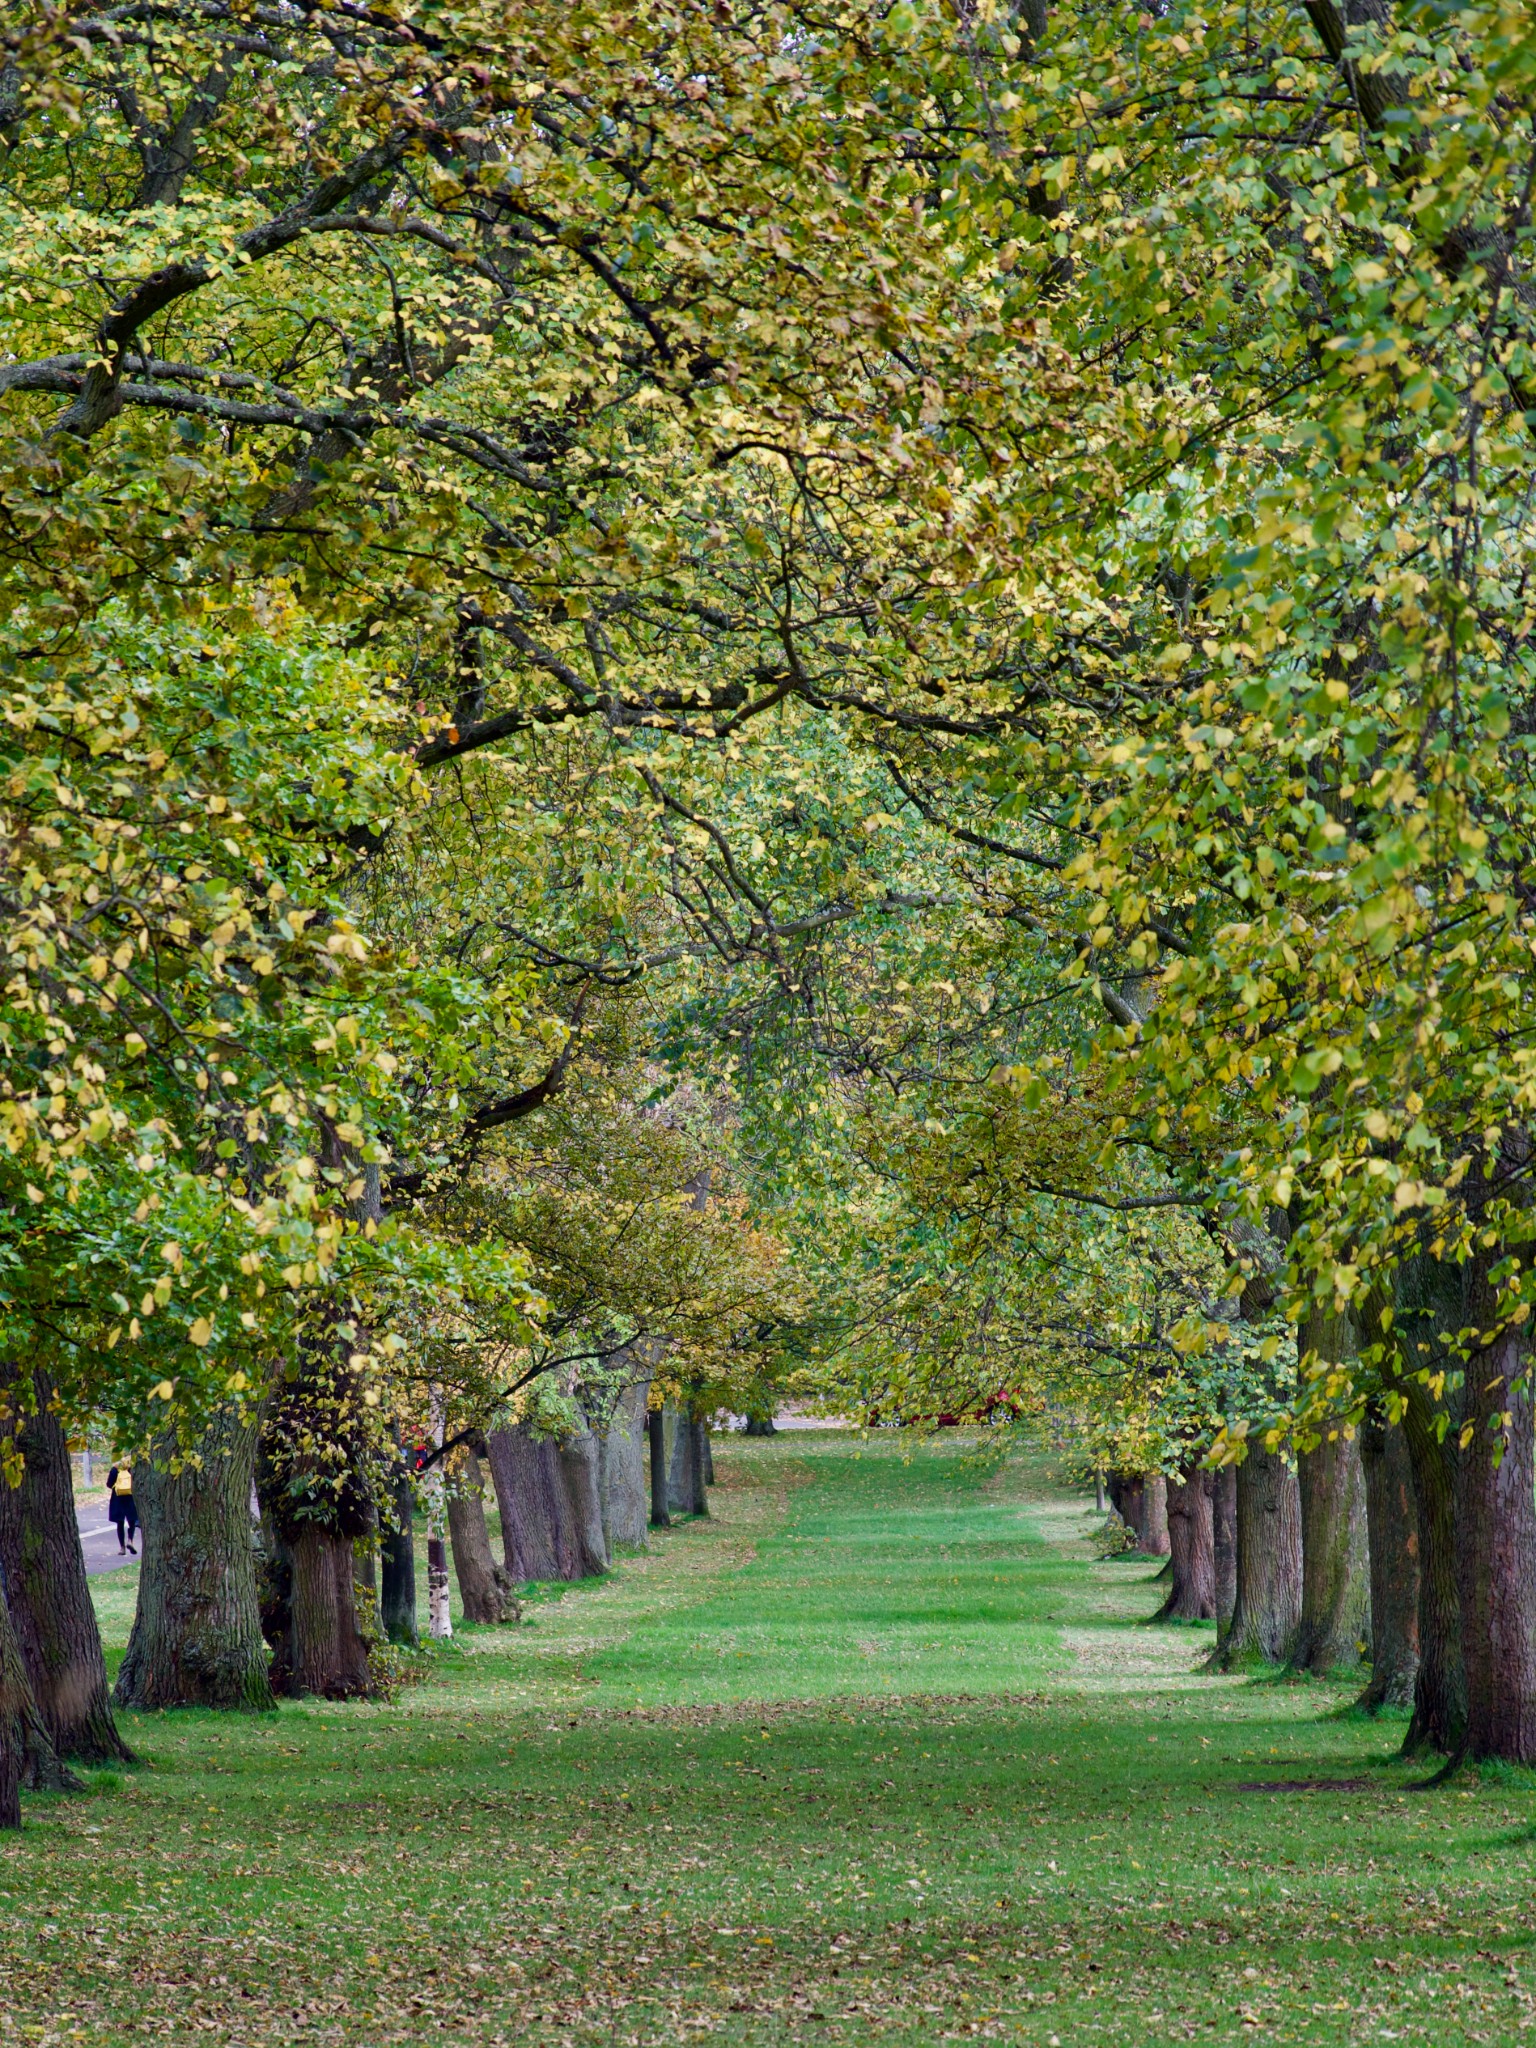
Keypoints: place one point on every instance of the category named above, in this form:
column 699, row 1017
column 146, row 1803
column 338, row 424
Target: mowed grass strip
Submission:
column 879, row 1753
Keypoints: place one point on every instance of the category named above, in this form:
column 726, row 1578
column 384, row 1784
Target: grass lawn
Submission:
column 880, row 1752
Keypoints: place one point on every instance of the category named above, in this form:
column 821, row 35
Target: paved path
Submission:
column 98, row 1538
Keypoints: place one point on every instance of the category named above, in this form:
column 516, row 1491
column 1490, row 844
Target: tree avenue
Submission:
column 707, row 704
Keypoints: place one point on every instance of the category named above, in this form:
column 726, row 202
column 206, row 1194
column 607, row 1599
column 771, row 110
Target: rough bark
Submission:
column 196, row 1638
column 707, row 1459
column 622, row 1468
column 397, row 1563
column 48, row 1595
column 1335, row 1564
column 656, row 1432
column 28, row 1760
column 1428, row 1305
column 1496, row 1537
column 1192, row 1549
column 1152, row 1527
column 579, row 1470
column 16, row 1704
column 544, row 1538
column 1335, row 1560
column 1224, row 1546
column 330, row 1657
column 1268, row 1605
column 485, row 1587
column 1392, row 1520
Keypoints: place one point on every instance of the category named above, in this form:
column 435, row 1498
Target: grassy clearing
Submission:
column 879, row 1753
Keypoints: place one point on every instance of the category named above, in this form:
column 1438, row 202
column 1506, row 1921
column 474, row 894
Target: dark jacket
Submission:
column 120, row 1507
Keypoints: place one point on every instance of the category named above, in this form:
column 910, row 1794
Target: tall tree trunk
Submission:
column 1152, row 1527
column 1335, row 1558
column 656, row 1432
column 1496, row 1537
column 485, row 1587
column 1440, row 1690
column 697, row 1438
column 578, row 1466
column 1192, row 1548
column 1268, row 1561
column 397, row 1563
column 1335, row 1564
column 623, row 1468
column 330, row 1657
column 1428, row 1306
column 1224, row 1547
column 47, row 1592
column 679, row 1486
column 439, row 1615
column 1392, row 1519
column 550, row 1526
column 707, row 1462
column 196, row 1638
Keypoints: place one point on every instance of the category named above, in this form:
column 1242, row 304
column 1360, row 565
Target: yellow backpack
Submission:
column 124, row 1482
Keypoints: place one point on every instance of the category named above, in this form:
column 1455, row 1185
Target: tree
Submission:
column 196, row 1637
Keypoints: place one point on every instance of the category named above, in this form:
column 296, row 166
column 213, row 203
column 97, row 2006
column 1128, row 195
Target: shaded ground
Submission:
column 880, row 1753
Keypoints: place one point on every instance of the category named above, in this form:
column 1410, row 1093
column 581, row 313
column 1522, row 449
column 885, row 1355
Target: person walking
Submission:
column 121, row 1512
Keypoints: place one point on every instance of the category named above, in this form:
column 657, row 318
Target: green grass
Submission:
column 879, row 1753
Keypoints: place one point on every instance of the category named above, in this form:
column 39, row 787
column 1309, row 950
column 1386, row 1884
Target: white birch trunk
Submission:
column 439, row 1621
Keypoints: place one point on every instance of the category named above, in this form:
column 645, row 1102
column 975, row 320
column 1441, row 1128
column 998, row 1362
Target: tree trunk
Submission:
column 656, row 1431
column 1496, row 1537
column 623, row 1468
column 697, row 1439
column 196, row 1638
column 330, row 1657
column 1152, row 1528
column 1428, row 1310
column 1099, row 1502
column 1392, row 1519
column 48, row 1595
column 578, row 1466
column 1335, row 1559
column 707, row 1461
column 485, row 1587
column 1126, row 1491
column 1192, row 1548
column 365, row 1573
column 1268, row 1605
column 679, row 1486
column 28, row 1760
column 439, row 1616
column 1224, row 1547
column 18, row 1711
column 397, row 1563
column 1335, row 1564
column 545, row 1538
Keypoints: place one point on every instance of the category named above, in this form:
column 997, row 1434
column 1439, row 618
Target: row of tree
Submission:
column 848, row 692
